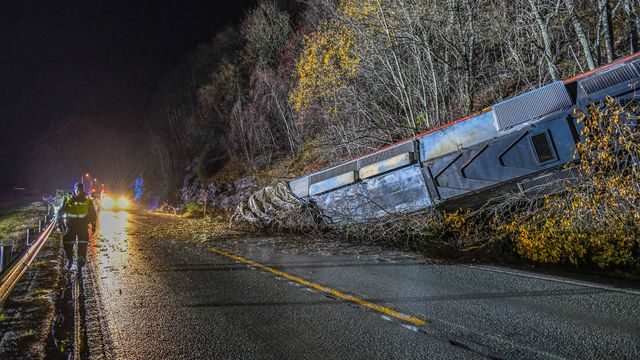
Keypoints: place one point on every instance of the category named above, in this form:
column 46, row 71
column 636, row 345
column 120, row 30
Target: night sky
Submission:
column 76, row 77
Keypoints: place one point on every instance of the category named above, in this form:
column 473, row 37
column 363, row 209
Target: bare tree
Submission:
column 271, row 88
column 543, row 27
column 265, row 29
column 633, row 26
column 605, row 17
column 582, row 38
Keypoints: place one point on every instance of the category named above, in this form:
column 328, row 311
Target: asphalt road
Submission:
column 275, row 298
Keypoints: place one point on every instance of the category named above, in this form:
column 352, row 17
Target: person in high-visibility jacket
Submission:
column 74, row 217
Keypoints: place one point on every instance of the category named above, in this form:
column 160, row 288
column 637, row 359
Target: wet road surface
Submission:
column 269, row 298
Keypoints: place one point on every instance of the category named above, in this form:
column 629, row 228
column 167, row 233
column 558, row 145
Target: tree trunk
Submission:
column 434, row 78
column 470, row 47
column 546, row 40
column 632, row 25
column 399, row 78
column 605, row 14
column 582, row 38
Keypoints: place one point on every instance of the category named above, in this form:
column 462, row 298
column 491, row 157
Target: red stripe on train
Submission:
column 567, row 81
column 603, row 67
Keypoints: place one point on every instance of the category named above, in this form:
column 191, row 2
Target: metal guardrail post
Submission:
column 5, row 256
column 28, row 237
column 15, row 270
column 39, row 226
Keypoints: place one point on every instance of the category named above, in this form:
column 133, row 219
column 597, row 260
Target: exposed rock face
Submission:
column 221, row 197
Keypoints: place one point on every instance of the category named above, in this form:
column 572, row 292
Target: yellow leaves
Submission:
column 596, row 222
column 358, row 9
column 331, row 55
column 327, row 62
column 458, row 224
column 457, row 219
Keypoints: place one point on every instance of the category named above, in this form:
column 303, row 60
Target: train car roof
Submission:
column 444, row 126
column 601, row 68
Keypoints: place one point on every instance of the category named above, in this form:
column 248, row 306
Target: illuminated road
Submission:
column 274, row 299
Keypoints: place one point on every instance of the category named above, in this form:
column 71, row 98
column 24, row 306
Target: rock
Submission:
column 221, row 197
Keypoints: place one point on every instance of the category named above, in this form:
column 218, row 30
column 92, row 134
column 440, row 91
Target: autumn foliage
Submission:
column 597, row 220
column 330, row 80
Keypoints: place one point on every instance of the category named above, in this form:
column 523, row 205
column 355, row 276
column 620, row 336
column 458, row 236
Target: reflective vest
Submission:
column 77, row 208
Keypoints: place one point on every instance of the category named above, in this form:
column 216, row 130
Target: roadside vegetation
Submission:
column 597, row 220
column 298, row 86
column 26, row 315
column 14, row 223
column 342, row 78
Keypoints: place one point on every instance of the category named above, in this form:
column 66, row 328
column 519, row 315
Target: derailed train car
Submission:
column 518, row 144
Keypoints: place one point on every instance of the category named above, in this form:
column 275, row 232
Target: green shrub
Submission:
column 194, row 209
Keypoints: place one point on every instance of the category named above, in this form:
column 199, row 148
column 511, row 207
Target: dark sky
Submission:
column 77, row 75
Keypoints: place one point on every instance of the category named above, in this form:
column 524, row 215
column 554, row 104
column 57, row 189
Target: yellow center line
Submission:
column 382, row 309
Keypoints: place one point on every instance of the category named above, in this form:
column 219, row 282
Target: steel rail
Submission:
column 13, row 274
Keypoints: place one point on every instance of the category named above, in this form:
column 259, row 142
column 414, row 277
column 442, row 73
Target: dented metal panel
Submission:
column 300, row 186
column 532, row 105
column 333, row 183
column 399, row 191
column 502, row 160
column 462, row 135
column 383, row 166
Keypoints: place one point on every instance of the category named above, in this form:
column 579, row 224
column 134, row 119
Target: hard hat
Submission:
column 78, row 185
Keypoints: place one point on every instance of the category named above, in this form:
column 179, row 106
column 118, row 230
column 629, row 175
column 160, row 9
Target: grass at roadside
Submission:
column 14, row 222
column 26, row 316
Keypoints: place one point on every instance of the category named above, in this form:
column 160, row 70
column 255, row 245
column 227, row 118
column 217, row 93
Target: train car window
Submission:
column 543, row 148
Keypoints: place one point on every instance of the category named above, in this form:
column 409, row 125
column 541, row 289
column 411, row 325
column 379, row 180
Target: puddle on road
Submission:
column 111, row 249
column 110, row 246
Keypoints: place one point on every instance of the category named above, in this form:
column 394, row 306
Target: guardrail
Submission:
column 16, row 270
